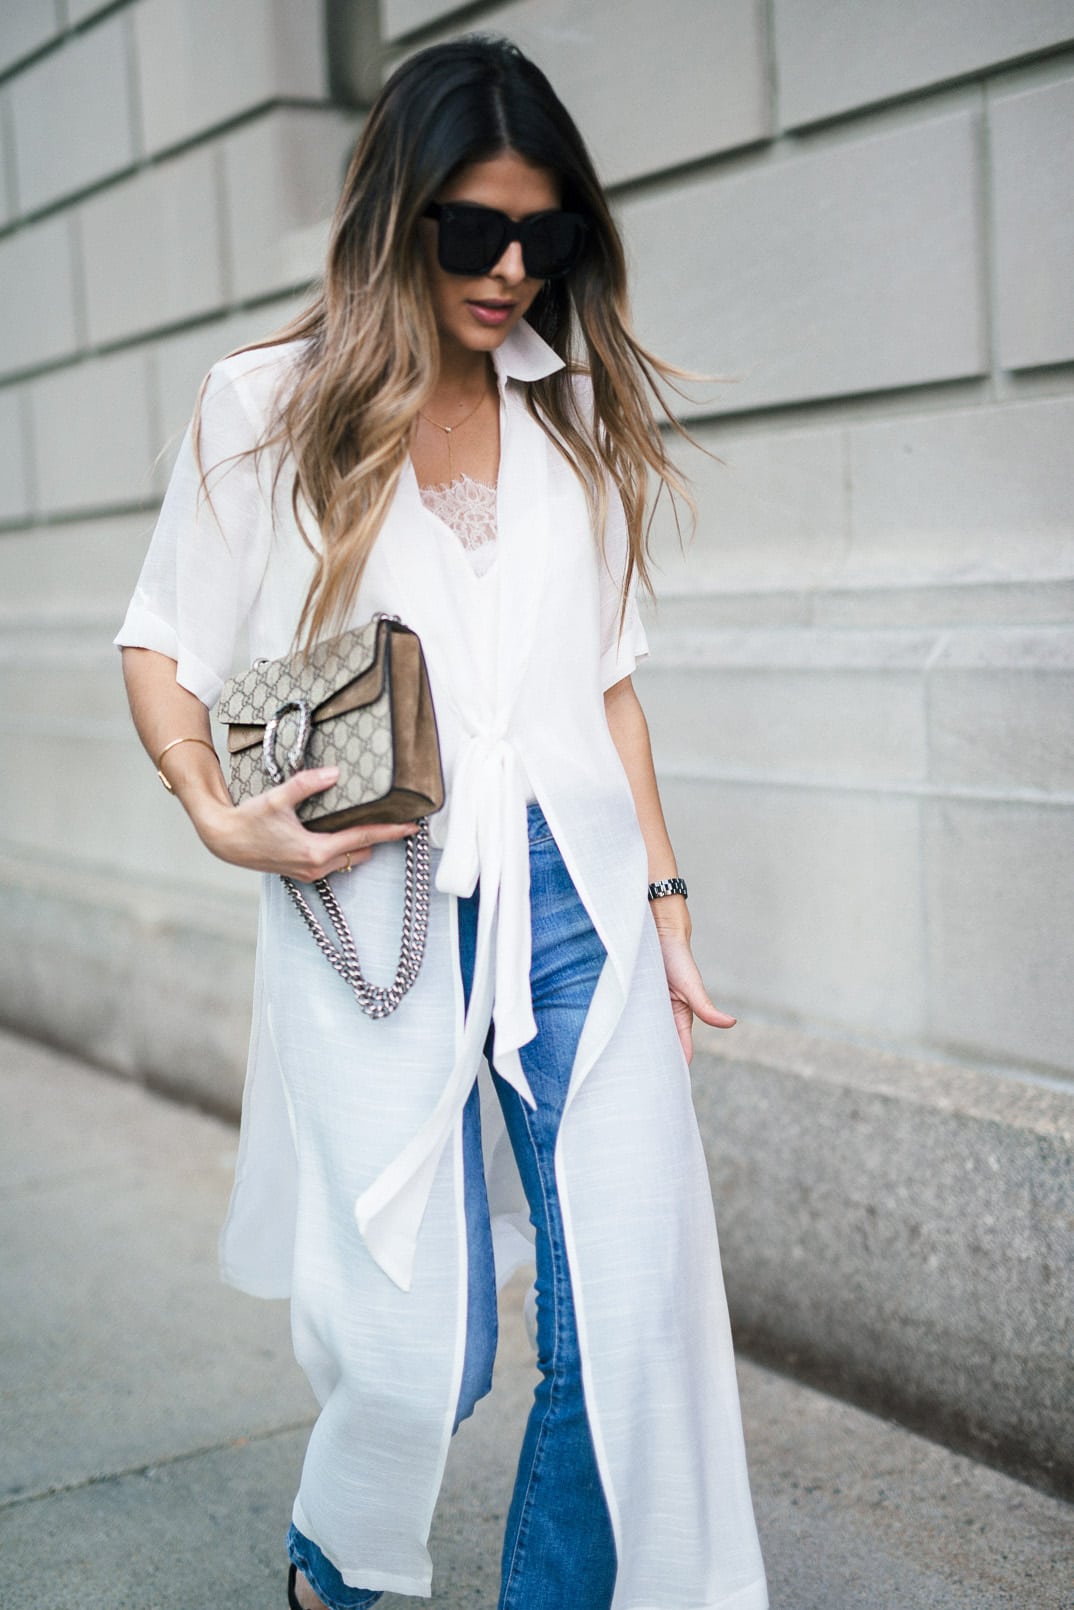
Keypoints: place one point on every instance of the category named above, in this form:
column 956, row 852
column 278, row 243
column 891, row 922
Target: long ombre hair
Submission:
column 368, row 354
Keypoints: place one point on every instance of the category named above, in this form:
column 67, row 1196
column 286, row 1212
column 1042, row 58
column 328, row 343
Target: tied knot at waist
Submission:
column 486, row 840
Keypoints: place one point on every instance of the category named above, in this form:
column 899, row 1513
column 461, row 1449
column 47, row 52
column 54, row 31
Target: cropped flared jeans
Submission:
column 558, row 1545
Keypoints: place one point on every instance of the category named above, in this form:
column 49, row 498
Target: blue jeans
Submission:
column 558, row 1546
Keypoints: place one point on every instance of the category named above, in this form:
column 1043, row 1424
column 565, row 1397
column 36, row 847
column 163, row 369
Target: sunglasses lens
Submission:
column 471, row 239
column 553, row 244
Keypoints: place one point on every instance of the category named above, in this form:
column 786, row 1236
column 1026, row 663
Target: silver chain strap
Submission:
column 376, row 1000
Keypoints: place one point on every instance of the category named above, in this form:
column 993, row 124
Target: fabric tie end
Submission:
column 391, row 1252
column 508, row 1065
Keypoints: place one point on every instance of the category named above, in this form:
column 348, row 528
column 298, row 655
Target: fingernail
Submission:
column 328, row 773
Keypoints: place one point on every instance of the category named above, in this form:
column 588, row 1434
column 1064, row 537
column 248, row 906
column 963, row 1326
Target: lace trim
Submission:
column 469, row 508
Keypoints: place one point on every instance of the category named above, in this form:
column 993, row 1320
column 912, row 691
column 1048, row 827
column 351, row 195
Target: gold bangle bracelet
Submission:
column 172, row 745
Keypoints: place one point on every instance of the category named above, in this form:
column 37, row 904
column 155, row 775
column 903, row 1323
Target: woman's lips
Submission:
column 491, row 313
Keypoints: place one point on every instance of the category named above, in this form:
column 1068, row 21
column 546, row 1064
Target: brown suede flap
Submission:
column 417, row 751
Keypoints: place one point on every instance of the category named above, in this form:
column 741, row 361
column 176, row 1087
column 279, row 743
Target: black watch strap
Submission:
column 667, row 886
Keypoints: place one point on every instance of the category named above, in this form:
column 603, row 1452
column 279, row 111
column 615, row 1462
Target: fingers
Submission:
column 311, row 868
column 304, row 784
column 268, row 835
column 710, row 1014
column 686, row 1040
column 323, row 853
column 687, row 983
column 689, row 1000
column 684, row 1021
column 702, row 1007
column 362, row 839
column 688, row 990
column 378, row 832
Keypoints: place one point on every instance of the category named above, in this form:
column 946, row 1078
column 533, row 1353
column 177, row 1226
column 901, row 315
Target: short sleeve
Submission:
column 208, row 552
column 619, row 654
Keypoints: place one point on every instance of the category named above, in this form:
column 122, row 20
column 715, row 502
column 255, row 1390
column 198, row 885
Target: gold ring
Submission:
column 347, row 865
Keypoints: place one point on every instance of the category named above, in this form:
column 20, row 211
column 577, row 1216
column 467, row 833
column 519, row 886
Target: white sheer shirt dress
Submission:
column 348, row 1192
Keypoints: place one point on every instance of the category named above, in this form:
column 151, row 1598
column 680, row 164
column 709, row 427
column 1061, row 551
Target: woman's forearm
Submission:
column 689, row 998
column 162, row 710
column 630, row 734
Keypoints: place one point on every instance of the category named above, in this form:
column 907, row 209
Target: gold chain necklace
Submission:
column 450, row 429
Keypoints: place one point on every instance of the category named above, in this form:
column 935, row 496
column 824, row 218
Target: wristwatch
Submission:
column 667, row 886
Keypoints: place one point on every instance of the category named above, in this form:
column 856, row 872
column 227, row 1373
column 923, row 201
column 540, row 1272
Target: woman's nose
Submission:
column 511, row 266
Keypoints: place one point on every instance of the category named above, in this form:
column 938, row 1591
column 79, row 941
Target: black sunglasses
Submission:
column 472, row 239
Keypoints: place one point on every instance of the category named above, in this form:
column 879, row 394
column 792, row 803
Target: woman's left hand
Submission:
column 689, row 998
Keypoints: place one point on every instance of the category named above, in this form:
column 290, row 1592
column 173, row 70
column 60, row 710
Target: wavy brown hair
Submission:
column 368, row 358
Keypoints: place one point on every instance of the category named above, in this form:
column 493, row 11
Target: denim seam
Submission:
column 522, row 1528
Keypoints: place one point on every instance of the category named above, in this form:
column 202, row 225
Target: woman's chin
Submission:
column 468, row 328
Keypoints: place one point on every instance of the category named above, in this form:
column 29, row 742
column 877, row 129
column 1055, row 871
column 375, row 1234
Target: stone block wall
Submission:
column 168, row 170
column 858, row 218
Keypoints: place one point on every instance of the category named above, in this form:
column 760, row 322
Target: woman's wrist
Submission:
column 202, row 792
column 671, row 916
column 214, row 823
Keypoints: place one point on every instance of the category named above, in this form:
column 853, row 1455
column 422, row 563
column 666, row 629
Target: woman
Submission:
column 460, row 431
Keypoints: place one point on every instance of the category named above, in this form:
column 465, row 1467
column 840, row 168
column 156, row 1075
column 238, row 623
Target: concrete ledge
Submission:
column 895, row 1231
column 149, row 980
column 898, row 1232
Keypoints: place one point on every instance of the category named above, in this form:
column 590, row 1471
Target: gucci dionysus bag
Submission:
column 360, row 701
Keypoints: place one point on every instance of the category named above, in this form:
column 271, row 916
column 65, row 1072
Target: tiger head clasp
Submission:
column 297, row 753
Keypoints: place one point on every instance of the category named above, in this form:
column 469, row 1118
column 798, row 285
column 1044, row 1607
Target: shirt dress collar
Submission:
column 524, row 355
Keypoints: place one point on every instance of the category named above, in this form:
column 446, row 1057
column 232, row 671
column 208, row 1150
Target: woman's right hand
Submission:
column 262, row 833
column 265, row 834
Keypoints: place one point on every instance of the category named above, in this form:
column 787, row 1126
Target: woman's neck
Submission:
column 463, row 375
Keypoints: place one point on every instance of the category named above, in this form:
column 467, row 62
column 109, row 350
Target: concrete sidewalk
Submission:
column 154, row 1420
